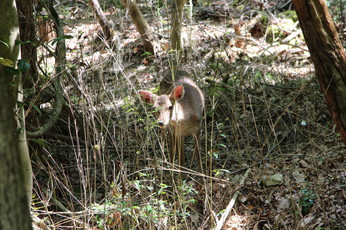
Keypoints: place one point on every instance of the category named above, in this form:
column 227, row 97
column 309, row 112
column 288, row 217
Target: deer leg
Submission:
column 197, row 154
column 179, row 142
column 172, row 144
column 181, row 150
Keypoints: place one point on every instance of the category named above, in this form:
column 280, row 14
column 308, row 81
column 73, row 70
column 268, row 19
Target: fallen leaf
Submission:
column 306, row 221
column 284, row 204
column 299, row 177
column 275, row 179
column 304, row 164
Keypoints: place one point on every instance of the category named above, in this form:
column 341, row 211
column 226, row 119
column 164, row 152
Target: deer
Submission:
column 179, row 110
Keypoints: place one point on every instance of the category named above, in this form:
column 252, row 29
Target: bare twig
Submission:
column 230, row 205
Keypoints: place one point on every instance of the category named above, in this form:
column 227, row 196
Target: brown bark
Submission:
column 327, row 55
column 28, row 33
column 142, row 25
column 101, row 18
column 177, row 17
column 175, row 36
column 14, row 208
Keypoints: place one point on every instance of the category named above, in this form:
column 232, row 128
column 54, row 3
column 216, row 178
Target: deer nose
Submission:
column 160, row 123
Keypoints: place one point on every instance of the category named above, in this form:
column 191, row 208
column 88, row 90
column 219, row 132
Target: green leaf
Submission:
column 37, row 109
column 11, row 71
column 6, row 62
column 60, row 38
column 20, row 104
column 4, row 43
column 23, row 42
column 41, row 142
column 222, row 145
column 67, row 36
column 23, row 65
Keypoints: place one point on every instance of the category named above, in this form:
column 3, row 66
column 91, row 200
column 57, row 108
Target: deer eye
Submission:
column 170, row 107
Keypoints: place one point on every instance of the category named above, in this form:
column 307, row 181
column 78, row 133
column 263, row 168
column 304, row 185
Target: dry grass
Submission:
column 104, row 164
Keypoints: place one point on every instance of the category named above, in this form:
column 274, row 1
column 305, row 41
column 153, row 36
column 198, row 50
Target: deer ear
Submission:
column 177, row 93
column 147, row 96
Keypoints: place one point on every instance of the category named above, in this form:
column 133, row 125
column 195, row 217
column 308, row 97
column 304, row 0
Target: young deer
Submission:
column 179, row 112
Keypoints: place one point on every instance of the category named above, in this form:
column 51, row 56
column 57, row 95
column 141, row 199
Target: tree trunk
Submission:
column 328, row 56
column 142, row 25
column 23, row 145
column 177, row 18
column 101, row 18
column 14, row 208
column 175, row 37
column 28, row 52
column 28, row 33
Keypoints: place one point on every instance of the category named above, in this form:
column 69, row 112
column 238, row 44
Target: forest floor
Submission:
column 265, row 118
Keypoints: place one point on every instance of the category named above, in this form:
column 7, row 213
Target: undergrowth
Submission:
column 105, row 163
